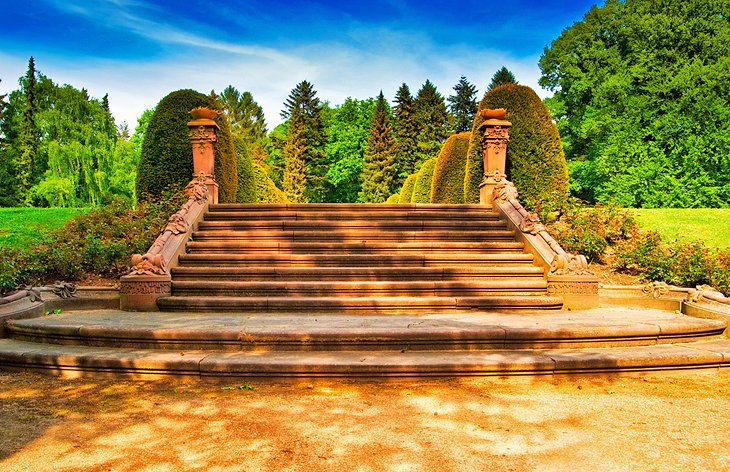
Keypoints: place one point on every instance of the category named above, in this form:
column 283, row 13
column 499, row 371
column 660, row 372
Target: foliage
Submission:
column 422, row 185
column 535, row 160
column 433, row 121
column 502, row 77
column 405, row 124
column 347, row 132
column 166, row 159
column 448, row 174
column 248, row 132
column 463, row 105
column 305, row 145
column 393, row 199
column 406, row 193
column 642, row 100
column 100, row 242
column 265, row 191
column 378, row 167
column 27, row 163
column 610, row 234
column 69, row 153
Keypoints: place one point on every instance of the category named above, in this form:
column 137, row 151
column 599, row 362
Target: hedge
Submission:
column 422, row 185
column 535, row 159
column 406, row 193
column 448, row 175
column 166, row 161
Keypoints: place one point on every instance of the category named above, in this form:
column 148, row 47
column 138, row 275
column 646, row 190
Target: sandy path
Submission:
column 671, row 423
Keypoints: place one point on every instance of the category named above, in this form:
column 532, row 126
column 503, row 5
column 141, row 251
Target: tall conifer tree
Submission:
column 501, row 77
column 378, row 170
column 433, row 121
column 406, row 135
column 29, row 136
column 463, row 105
column 306, row 140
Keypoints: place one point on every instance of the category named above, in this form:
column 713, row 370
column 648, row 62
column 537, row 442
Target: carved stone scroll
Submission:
column 531, row 224
column 569, row 264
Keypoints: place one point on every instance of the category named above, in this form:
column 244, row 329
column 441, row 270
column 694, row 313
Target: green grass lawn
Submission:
column 24, row 227
column 711, row 225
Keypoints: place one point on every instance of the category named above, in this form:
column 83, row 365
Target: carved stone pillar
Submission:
column 203, row 137
column 495, row 136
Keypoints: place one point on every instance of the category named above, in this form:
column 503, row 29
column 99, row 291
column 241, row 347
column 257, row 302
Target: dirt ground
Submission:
column 677, row 422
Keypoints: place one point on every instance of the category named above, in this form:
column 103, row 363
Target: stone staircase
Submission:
column 367, row 291
column 364, row 259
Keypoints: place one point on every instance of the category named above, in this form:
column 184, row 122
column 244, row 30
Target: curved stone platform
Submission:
column 606, row 340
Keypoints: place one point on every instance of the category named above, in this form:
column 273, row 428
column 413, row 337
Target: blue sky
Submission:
column 138, row 50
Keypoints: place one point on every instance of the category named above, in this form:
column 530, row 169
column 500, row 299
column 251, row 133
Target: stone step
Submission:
column 349, row 207
column 313, row 273
column 352, row 224
column 455, row 250
column 447, row 332
column 307, row 215
column 360, row 288
column 344, row 235
column 230, row 256
column 360, row 305
column 145, row 364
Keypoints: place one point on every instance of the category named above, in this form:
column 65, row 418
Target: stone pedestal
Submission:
column 140, row 292
column 495, row 136
column 579, row 292
column 203, row 137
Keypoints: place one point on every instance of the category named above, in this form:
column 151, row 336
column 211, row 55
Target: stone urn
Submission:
column 493, row 114
column 203, row 113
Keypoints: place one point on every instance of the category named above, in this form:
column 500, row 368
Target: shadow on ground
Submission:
column 666, row 423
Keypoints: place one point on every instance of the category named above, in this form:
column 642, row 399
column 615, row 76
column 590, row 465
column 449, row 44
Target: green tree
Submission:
column 248, row 131
column 405, row 125
column 642, row 100
column 378, row 169
column 433, row 120
column 27, row 163
column 502, row 77
column 463, row 105
column 347, row 137
column 305, row 143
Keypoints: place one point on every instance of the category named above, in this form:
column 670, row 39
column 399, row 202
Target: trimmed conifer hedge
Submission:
column 406, row 193
column 422, row 185
column 393, row 199
column 448, row 175
column 264, row 189
column 535, row 159
column 167, row 162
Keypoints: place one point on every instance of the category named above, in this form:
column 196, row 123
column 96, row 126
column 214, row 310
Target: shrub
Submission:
column 264, row 189
column 166, row 158
column 609, row 234
column 393, row 199
column 422, row 185
column 591, row 230
column 535, row 158
column 100, row 242
column 448, row 175
column 406, row 193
